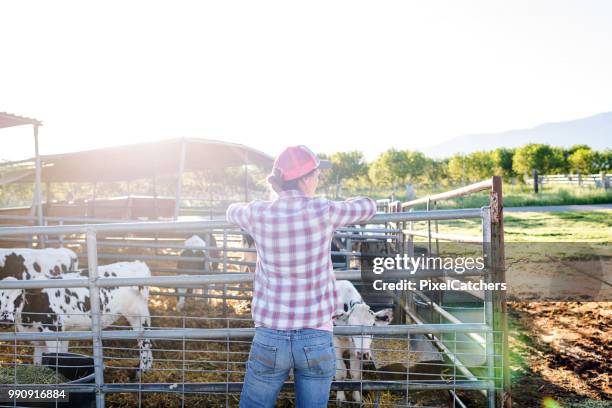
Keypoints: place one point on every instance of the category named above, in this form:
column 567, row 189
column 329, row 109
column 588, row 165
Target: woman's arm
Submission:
column 351, row 211
column 239, row 214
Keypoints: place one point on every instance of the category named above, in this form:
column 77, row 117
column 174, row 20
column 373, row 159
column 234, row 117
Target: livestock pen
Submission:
column 426, row 356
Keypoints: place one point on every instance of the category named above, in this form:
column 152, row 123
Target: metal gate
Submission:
column 202, row 357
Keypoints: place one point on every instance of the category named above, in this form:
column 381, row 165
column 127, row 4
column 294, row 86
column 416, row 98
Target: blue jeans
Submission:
column 309, row 352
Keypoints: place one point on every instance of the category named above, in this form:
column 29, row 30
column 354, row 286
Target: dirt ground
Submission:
column 560, row 354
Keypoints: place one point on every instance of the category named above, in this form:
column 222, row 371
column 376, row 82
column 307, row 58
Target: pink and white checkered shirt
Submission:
column 294, row 285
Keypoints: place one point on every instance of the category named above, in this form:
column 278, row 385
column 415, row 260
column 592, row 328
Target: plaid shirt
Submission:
column 294, row 285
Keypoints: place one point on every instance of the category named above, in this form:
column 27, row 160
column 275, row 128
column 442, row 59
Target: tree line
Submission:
column 394, row 168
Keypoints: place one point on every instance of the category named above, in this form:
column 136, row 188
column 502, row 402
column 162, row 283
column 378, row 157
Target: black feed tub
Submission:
column 78, row 369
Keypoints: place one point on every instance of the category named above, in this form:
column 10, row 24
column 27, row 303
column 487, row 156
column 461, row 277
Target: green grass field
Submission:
column 514, row 196
column 557, row 196
column 564, row 226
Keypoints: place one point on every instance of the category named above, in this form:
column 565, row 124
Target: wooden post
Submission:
column 500, row 312
column 605, row 181
column 179, row 179
column 535, row 181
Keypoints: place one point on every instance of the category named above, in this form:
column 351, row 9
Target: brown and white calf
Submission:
column 354, row 312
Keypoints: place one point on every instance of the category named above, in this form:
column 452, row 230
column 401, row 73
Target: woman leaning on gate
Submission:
column 294, row 285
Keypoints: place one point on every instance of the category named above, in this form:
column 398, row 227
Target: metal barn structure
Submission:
column 144, row 161
column 10, row 120
column 435, row 346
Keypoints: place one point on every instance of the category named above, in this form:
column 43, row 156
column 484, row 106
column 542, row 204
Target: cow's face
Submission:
column 201, row 265
column 361, row 315
column 10, row 301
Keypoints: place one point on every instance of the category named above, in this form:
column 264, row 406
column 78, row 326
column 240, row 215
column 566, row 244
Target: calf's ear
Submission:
column 383, row 317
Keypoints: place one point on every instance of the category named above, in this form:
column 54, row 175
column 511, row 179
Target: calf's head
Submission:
column 11, row 301
column 202, row 264
column 33, row 305
column 360, row 314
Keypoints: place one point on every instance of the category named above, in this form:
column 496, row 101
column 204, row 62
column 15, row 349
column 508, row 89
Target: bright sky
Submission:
column 335, row 75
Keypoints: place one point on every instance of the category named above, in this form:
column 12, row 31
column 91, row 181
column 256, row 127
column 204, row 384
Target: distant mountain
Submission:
column 595, row 131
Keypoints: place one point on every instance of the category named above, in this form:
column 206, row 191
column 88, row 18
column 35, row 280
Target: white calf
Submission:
column 354, row 312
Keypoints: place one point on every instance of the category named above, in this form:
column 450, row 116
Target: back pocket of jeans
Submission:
column 262, row 358
column 321, row 359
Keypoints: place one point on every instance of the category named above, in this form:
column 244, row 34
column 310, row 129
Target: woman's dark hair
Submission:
column 278, row 184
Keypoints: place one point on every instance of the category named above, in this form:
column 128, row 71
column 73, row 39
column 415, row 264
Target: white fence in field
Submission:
column 591, row 180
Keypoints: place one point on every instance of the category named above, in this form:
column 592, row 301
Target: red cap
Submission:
column 297, row 161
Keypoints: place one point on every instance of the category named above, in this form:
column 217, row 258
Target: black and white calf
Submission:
column 48, row 261
column 354, row 312
column 65, row 309
column 202, row 264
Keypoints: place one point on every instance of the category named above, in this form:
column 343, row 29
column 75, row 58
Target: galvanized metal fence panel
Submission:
column 200, row 346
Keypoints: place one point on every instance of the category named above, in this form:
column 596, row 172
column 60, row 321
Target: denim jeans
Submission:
column 274, row 353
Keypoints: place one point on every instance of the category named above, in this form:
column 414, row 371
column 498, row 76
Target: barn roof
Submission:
column 9, row 120
column 144, row 160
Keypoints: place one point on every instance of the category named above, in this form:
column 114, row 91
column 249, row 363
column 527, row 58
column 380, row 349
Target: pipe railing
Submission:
column 240, row 333
column 459, row 192
column 185, row 281
column 160, row 226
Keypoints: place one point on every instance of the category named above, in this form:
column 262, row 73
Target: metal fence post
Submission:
column 61, row 236
column 37, row 176
column 96, row 324
column 488, row 306
column 225, row 308
column 179, row 178
column 428, row 207
column 44, row 237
